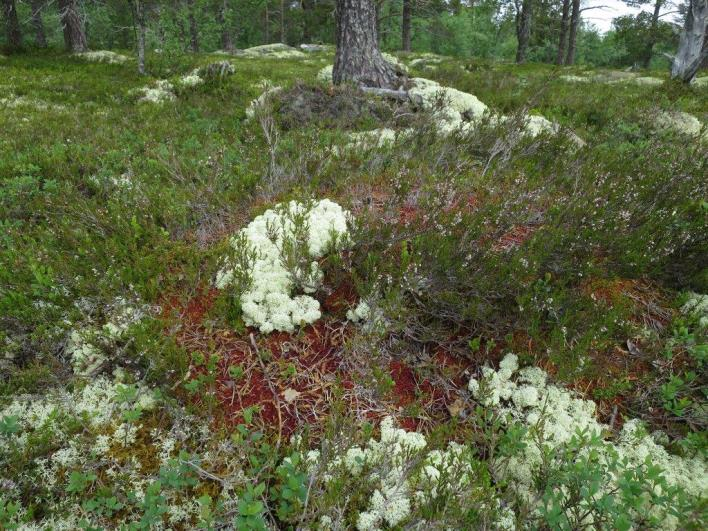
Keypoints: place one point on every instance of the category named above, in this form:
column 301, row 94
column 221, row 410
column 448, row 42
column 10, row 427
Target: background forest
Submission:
column 491, row 29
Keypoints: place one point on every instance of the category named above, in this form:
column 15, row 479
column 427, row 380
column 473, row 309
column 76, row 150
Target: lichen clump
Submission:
column 680, row 122
column 276, row 255
column 162, row 92
column 554, row 417
column 398, row 476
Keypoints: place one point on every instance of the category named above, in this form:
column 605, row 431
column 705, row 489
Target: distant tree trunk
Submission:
column 222, row 17
column 14, row 34
column 139, row 14
column 73, row 26
column 693, row 45
column 267, row 23
column 406, row 25
column 193, row 29
column 282, row 21
column 38, row 24
column 523, row 29
column 572, row 38
column 651, row 41
column 358, row 58
column 306, row 22
column 563, row 41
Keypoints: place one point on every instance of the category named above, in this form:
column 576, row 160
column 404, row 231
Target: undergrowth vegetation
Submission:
column 489, row 281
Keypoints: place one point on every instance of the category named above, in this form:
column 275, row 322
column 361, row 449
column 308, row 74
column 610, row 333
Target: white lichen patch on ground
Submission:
column 103, row 56
column 276, row 256
column 18, row 102
column 647, row 81
column 574, row 79
column 191, row 80
column 161, row 92
column 103, row 428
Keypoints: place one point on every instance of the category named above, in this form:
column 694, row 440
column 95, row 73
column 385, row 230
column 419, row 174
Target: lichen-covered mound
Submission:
column 275, row 51
column 340, row 107
column 103, row 56
column 680, row 122
column 276, row 256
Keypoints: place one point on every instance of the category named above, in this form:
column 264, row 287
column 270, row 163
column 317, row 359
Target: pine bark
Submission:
column 358, row 58
column 523, row 29
column 573, row 36
column 406, row 25
column 73, row 26
column 139, row 13
column 38, row 24
column 563, row 40
column 693, row 44
column 14, row 34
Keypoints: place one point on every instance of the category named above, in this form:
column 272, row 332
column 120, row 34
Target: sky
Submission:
column 602, row 17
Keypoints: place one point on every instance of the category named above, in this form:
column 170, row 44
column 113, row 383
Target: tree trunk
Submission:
column 406, row 25
column 523, row 29
column 563, row 41
column 572, row 38
column 267, row 23
column 651, row 41
column 282, row 21
column 222, row 17
column 358, row 59
column 193, row 30
column 306, row 22
column 38, row 24
column 14, row 34
column 693, row 45
column 73, row 26
column 139, row 14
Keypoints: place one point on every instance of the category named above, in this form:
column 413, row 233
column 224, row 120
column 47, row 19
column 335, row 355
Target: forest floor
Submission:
column 518, row 287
